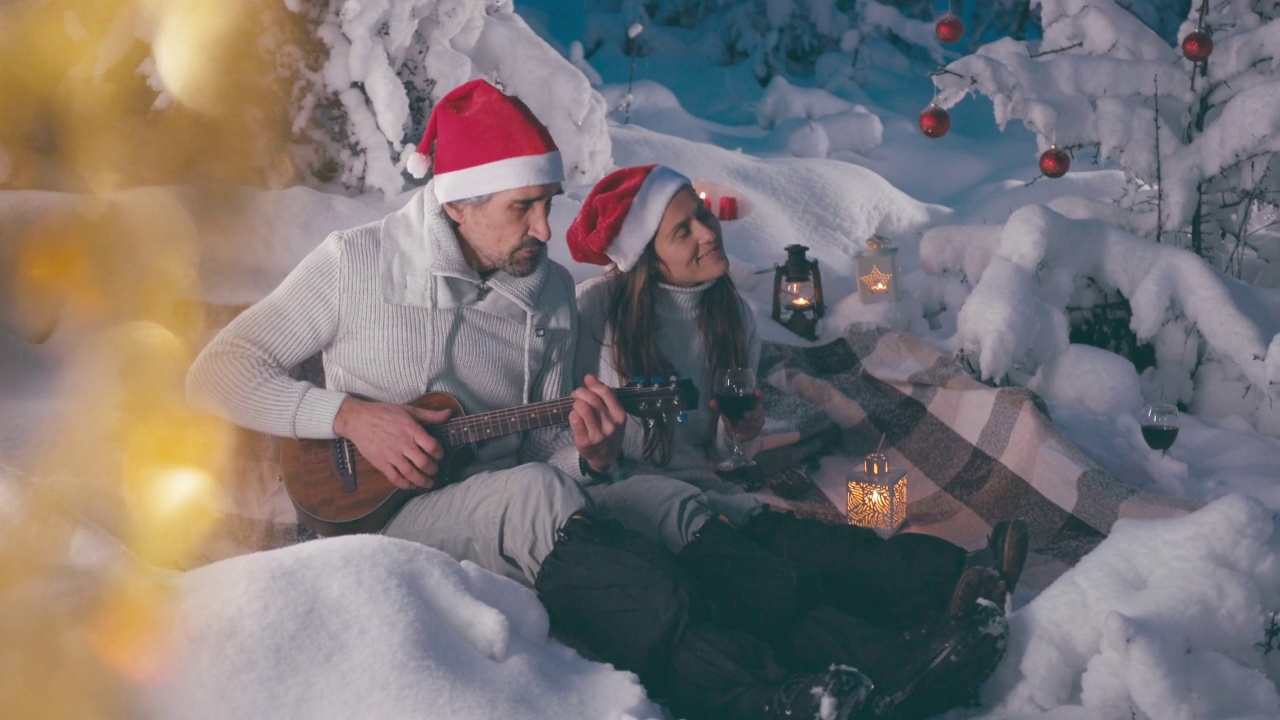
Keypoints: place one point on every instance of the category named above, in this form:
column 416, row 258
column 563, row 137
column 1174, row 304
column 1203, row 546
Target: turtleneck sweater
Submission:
column 700, row 441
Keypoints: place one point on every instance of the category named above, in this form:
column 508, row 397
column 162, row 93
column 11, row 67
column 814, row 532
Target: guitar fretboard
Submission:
column 484, row 426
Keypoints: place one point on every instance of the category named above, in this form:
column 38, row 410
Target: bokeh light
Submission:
column 125, row 125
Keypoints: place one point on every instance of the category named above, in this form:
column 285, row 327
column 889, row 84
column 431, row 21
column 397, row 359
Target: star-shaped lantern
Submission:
column 877, row 268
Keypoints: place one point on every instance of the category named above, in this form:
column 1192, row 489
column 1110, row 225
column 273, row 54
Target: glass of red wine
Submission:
column 735, row 391
column 1159, row 425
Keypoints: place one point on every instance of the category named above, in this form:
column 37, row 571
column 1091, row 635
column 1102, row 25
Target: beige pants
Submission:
column 670, row 510
column 504, row 521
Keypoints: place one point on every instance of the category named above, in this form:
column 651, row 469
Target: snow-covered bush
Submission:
column 362, row 95
column 1165, row 619
column 1197, row 142
column 1211, row 348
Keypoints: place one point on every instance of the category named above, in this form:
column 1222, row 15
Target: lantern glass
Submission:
column 798, row 295
column 877, row 500
column 877, row 269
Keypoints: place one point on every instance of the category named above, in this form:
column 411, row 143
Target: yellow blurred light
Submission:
column 178, row 490
column 193, row 41
column 131, row 629
column 171, row 490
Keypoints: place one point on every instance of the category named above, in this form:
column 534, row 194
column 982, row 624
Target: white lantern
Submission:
column 877, row 270
column 877, row 495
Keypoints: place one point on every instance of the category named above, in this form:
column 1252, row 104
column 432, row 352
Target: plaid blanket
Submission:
column 974, row 454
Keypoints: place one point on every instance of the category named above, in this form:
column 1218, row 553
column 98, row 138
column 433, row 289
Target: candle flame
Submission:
column 800, row 302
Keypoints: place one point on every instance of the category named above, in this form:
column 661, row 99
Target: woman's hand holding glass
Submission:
column 737, row 399
column 750, row 425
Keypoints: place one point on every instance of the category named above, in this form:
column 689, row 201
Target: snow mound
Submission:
column 1165, row 619
column 368, row 626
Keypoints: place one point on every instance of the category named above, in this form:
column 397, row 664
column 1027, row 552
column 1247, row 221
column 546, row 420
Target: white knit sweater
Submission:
column 698, row 442
column 397, row 312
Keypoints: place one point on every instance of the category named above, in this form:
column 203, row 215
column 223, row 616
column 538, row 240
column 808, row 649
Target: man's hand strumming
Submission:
column 393, row 439
column 598, row 422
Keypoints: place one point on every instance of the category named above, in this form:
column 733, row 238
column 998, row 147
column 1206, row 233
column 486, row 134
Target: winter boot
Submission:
column 1006, row 551
column 707, row 685
column 837, row 694
column 919, row 673
column 750, row 588
column 942, row 667
column 978, row 583
column 899, row 581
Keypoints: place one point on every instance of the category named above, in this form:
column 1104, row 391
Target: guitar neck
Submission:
column 497, row 423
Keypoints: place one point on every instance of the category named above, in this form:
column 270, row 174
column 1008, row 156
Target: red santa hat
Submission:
column 622, row 213
column 485, row 142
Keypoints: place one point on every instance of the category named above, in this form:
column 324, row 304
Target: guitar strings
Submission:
column 490, row 420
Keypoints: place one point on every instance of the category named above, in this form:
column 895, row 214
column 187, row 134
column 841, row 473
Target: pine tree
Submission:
column 1197, row 140
column 362, row 92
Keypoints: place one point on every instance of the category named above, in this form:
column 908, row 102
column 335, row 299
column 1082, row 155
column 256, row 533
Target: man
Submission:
column 454, row 293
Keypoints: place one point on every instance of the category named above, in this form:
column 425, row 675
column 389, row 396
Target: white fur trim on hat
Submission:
column 418, row 165
column 645, row 215
column 507, row 174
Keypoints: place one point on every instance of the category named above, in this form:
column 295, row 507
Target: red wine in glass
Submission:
column 1160, row 425
column 734, row 405
column 1159, row 437
column 735, row 391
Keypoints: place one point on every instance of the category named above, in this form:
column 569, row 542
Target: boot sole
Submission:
column 896, row 706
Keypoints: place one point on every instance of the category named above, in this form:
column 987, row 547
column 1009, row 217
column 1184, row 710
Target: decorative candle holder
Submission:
column 877, row 270
column 877, row 495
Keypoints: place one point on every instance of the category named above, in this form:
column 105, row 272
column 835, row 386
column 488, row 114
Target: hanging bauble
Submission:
column 1197, row 45
column 949, row 28
column 1055, row 162
column 935, row 121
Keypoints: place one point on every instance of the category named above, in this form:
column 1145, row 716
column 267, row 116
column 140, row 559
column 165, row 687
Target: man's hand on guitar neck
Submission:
column 393, row 439
column 598, row 422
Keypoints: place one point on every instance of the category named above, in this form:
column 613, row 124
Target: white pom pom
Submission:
column 418, row 165
column 634, row 30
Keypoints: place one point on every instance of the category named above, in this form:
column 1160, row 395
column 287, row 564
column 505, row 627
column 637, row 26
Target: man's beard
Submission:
column 519, row 265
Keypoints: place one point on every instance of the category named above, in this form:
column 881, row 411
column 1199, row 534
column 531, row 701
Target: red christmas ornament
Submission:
column 1197, row 45
column 1055, row 162
column 949, row 28
column 935, row 121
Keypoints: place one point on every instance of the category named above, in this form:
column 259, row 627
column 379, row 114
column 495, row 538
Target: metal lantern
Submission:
column 877, row 268
column 877, row 495
column 797, row 293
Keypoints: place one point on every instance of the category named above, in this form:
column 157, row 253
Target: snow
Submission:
column 407, row 632
column 1165, row 619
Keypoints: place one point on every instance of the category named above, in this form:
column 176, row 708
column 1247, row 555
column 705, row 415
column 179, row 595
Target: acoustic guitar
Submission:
column 338, row 492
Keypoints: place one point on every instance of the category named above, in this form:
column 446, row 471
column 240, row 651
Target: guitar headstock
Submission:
column 658, row 399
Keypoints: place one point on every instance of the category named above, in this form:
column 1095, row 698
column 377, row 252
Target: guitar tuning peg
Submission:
column 649, row 422
column 673, row 379
column 637, row 380
column 656, row 380
column 682, row 417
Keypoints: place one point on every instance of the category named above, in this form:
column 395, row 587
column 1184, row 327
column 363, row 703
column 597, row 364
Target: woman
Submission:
column 667, row 307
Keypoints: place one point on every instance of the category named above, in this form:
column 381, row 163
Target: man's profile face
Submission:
column 507, row 232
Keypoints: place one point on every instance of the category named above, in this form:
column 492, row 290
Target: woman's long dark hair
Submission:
column 635, row 343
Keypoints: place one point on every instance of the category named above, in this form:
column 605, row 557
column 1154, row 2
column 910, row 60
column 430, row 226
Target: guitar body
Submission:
column 338, row 492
